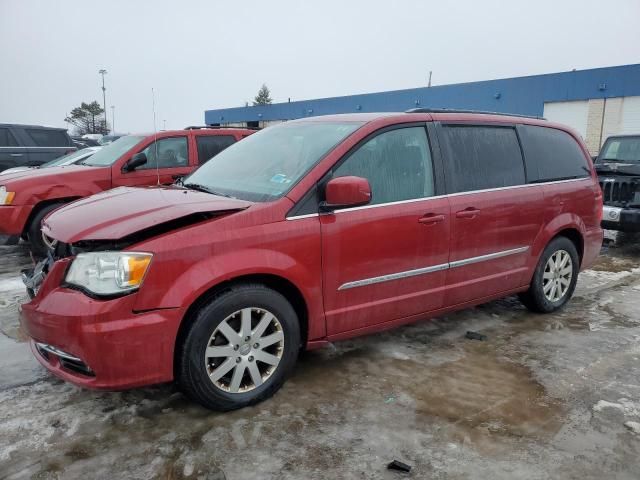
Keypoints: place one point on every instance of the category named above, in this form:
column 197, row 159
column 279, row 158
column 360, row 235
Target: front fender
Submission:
column 177, row 278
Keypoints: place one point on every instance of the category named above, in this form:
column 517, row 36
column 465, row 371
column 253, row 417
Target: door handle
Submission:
column 470, row 212
column 431, row 219
column 16, row 154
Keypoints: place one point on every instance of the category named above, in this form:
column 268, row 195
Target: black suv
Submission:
column 31, row 145
column 618, row 167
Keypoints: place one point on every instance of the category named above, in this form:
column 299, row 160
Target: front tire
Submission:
column 555, row 277
column 239, row 349
column 40, row 244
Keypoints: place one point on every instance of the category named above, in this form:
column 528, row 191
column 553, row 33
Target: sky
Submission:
column 199, row 55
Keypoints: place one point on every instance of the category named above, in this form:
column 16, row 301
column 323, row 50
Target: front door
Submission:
column 495, row 215
column 386, row 260
column 167, row 160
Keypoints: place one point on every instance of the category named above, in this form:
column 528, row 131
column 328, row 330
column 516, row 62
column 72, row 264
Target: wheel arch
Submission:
column 276, row 282
column 37, row 208
column 576, row 238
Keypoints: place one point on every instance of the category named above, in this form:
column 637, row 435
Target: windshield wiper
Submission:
column 203, row 188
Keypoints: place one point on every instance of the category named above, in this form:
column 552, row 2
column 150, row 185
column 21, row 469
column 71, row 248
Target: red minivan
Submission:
column 29, row 196
column 308, row 232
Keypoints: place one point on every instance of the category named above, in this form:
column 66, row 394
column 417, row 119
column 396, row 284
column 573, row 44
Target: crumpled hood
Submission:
column 115, row 214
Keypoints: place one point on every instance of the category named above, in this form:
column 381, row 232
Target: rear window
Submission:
column 211, row 145
column 481, row 157
column 552, row 154
column 6, row 138
column 48, row 138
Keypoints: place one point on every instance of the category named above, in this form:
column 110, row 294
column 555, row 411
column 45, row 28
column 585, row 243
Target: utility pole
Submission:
column 103, row 72
column 429, row 84
column 113, row 118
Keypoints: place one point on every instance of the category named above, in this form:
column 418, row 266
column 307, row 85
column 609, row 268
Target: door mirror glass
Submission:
column 136, row 161
column 345, row 192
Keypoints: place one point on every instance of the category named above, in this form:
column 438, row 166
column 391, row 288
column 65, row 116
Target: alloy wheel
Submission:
column 557, row 275
column 244, row 350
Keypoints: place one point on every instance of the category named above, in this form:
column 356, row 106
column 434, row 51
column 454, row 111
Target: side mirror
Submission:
column 343, row 192
column 136, row 161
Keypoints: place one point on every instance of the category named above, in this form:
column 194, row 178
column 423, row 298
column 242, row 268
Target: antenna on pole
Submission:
column 155, row 134
column 429, row 84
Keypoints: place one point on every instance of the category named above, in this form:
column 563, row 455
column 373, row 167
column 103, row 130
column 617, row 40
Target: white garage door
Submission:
column 630, row 115
column 574, row 114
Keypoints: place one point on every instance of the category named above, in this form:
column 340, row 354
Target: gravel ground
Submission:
column 555, row 396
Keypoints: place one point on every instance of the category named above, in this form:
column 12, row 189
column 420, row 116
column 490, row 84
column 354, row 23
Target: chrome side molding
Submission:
column 431, row 269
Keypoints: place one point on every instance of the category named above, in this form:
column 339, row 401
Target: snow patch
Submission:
column 8, row 285
column 633, row 426
column 625, row 405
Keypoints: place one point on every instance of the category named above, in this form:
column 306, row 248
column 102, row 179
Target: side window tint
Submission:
column 6, row 138
column 48, row 138
column 210, row 146
column 397, row 164
column 170, row 153
column 552, row 154
column 482, row 157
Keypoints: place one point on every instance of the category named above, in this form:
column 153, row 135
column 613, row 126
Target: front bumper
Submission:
column 629, row 221
column 13, row 218
column 100, row 344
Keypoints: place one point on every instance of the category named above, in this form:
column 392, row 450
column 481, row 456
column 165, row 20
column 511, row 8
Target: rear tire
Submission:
column 221, row 364
column 555, row 277
column 39, row 248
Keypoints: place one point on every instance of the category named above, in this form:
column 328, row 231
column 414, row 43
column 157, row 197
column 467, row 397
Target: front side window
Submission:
column 621, row 150
column 6, row 138
column 211, row 145
column 552, row 154
column 166, row 153
column 482, row 157
column 397, row 164
column 267, row 164
column 48, row 138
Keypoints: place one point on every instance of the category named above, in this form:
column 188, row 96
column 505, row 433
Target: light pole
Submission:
column 164, row 123
column 113, row 118
column 103, row 72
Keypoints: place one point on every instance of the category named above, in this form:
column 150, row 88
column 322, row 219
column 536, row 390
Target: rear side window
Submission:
column 48, row 138
column 6, row 138
column 552, row 154
column 397, row 164
column 210, row 146
column 482, row 157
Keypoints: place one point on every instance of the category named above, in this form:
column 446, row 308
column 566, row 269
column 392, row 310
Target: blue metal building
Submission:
column 522, row 95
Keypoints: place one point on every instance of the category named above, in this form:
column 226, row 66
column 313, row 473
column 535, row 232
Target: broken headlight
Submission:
column 109, row 273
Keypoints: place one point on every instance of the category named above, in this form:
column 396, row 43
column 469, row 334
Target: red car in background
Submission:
column 308, row 232
column 133, row 160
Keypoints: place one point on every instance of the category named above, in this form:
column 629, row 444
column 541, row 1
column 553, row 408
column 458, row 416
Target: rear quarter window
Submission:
column 552, row 154
column 481, row 157
column 48, row 138
column 6, row 138
column 211, row 145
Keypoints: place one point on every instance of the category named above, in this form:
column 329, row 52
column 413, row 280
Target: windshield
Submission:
column 267, row 164
column 108, row 154
column 621, row 150
column 67, row 159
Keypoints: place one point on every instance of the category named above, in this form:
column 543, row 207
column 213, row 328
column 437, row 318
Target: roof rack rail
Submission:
column 202, row 127
column 455, row 110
